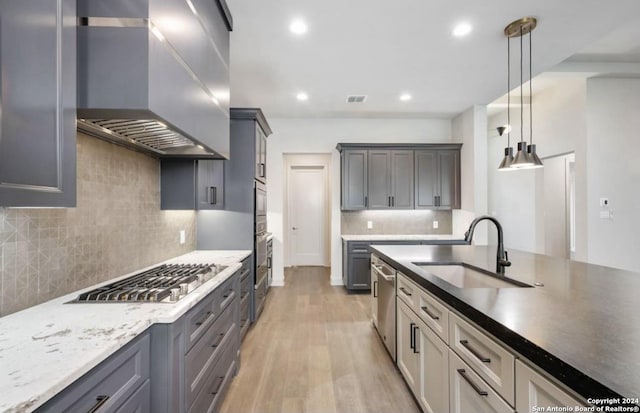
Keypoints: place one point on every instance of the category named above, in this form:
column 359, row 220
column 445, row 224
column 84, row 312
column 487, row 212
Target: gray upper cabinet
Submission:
column 437, row 177
column 354, row 179
column 401, row 179
column 38, row 101
column 192, row 184
column 261, row 154
column 390, row 179
column 402, row 176
column 379, row 179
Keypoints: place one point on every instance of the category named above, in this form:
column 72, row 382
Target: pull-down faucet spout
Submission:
column 502, row 259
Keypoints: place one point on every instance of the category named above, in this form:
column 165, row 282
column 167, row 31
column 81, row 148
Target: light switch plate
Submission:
column 369, row 224
column 435, row 224
column 183, row 236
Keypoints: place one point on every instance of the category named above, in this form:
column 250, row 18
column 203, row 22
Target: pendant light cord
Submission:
column 521, row 97
column 508, row 92
column 530, row 94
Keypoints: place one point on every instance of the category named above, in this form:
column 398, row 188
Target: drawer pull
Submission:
column 407, row 293
column 100, row 401
column 206, row 316
column 475, row 387
column 465, row 344
column 228, row 293
column 429, row 313
column 412, row 343
column 219, row 381
column 360, row 251
column 415, row 338
column 218, row 341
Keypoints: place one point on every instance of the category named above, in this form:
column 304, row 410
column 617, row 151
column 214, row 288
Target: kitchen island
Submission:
column 46, row 348
column 581, row 327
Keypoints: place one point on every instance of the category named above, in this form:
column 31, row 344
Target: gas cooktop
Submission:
column 165, row 283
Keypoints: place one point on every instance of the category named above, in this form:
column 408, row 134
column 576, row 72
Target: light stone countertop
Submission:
column 399, row 237
column 45, row 348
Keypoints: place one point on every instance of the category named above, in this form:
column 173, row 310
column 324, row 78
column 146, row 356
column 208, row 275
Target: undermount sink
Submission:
column 462, row 276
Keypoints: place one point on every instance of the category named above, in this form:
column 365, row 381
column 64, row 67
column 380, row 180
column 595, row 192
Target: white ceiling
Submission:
column 384, row 48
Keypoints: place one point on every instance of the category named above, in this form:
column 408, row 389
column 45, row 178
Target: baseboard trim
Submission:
column 336, row 281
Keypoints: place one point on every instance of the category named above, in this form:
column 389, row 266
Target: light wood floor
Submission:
column 314, row 350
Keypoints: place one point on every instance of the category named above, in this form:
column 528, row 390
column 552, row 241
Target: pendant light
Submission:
column 505, row 165
column 526, row 156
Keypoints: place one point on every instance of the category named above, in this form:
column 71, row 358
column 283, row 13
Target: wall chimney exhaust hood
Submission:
column 153, row 75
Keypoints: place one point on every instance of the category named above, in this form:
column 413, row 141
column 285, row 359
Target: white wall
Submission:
column 560, row 126
column 613, row 147
column 312, row 135
column 470, row 128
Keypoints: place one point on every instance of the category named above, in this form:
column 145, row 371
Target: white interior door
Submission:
column 558, row 206
column 308, row 223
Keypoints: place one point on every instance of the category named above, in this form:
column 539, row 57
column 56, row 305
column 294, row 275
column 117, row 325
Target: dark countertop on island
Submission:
column 582, row 326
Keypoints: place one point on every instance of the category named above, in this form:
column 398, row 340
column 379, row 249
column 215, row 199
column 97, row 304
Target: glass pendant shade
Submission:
column 505, row 165
column 533, row 156
column 522, row 159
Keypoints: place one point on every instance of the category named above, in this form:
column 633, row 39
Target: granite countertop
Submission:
column 400, row 237
column 582, row 326
column 45, row 348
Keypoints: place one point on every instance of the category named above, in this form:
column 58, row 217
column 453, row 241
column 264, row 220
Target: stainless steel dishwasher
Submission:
column 386, row 296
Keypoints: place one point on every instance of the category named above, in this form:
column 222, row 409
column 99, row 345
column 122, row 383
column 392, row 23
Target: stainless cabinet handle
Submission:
column 411, row 337
column 375, row 290
column 201, row 322
column 366, row 201
column 465, row 344
column 213, row 195
column 475, row 387
column 389, row 201
column 219, row 381
column 359, row 250
column 218, row 341
column 407, row 293
column 100, row 401
column 268, row 262
column 429, row 313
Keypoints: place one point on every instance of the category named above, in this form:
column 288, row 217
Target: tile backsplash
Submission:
column 408, row 222
column 117, row 227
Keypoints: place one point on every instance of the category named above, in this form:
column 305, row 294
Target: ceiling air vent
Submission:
column 356, row 98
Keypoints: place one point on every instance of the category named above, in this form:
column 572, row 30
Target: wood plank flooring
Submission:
column 314, row 350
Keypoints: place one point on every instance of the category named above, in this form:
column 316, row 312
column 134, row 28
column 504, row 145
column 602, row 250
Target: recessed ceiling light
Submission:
column 462, row 29
column 298, row 26
column 301, row 96
column 405, row 97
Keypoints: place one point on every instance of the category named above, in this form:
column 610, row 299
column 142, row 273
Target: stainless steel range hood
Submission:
column 154, row 76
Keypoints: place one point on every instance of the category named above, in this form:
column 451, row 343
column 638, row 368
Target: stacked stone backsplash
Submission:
column 117, row 227
column 396, row 222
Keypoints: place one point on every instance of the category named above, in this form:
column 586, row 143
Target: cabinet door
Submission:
column 533, row 390
column 407, row 354
column 359, row 277
column 374, row 297
column 210, row 184
column 426, row 176
column 354, row 179
column 261, row 154
column 379, row 189
column 402, row 179
column 433, row 392
column 469, row 393
column 38, row 101
column 448, row 189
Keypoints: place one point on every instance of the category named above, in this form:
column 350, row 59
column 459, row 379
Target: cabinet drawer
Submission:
column 117, row 378
column 205, row 353
column 217, row 383
column 490, row 360
column 227, row 292
column 199, row 319
column 246, row 267
column 358, row 247
column 245, row 316
column 140, row 402
column 433, row 313
column 246, row 285
column 469, row 393
column 407, row 290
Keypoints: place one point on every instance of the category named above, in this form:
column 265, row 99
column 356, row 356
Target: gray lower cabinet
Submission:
column 437, row 179
column 192, row 184
column 38, row 101
column 246, row 289
column 118, row 384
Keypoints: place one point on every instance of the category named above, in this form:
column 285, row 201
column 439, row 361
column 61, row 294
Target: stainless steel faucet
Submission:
column 502, row 259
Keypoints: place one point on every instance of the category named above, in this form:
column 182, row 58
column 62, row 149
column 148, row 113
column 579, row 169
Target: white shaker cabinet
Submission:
column 433, row 388
column 533, row 390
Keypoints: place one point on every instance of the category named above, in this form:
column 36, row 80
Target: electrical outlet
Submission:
column 435, row 224
column 183, row 236
column 369, row 224
column 604, row 202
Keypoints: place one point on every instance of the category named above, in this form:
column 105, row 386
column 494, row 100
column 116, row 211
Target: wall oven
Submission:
column 261, row 262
